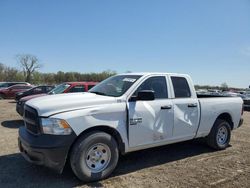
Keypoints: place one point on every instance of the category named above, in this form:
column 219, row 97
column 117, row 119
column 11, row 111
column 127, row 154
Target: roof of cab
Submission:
column 153, row 73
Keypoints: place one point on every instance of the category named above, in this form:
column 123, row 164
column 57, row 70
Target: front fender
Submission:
column 112, row 115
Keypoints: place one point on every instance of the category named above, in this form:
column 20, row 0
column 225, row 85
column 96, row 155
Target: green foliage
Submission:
column 13, row 74
column 10, row 74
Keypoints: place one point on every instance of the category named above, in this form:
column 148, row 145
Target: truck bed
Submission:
column 212, row 106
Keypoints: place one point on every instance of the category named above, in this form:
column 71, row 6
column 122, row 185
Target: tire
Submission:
column 220, row 135
column 94, row 156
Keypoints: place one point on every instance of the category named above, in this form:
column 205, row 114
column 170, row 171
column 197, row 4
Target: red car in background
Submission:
column 67, row 87
column 10, row 92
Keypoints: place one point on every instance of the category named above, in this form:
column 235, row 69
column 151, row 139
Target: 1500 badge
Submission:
column 134, row 121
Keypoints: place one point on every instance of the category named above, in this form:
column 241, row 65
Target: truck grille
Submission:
column 31, row 120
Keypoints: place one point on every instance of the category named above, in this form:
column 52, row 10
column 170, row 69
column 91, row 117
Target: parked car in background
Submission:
column 8, row 84
column 34, row 91
column 67, row 87
column 230, row 94
column 246, row 100
column 10, row 92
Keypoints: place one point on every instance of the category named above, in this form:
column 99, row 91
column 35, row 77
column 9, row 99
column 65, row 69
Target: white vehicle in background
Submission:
column 124, row 113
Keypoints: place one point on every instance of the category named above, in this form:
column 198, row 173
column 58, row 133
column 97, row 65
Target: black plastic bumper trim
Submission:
column 47, row 150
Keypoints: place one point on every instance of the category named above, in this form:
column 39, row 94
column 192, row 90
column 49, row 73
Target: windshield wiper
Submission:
column 98, row 93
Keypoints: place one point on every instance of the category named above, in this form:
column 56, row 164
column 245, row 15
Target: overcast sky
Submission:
column 208, row 39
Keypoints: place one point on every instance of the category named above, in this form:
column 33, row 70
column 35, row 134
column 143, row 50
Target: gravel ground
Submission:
column 187, row 164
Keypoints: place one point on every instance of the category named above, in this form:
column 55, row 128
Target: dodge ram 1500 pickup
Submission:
column 123, row 113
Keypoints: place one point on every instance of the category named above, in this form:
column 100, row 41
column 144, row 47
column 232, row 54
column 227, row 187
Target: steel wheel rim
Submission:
column 98, row 157
column 222, row 135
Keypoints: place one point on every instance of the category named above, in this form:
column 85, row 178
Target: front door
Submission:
column 151, row 121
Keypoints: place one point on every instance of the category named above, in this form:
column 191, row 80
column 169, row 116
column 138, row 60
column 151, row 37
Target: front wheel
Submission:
column 220, row 135
column 94, row 156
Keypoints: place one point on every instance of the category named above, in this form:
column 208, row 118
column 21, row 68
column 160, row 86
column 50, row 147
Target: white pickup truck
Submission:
column 124, row 113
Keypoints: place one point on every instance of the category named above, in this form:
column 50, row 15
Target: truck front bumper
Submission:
column 47, row 150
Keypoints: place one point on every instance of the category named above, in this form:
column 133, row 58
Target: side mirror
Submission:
column 146, row 95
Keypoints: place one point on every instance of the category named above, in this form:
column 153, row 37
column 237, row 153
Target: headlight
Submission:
column 55, row 126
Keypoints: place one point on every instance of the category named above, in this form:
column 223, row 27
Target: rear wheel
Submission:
column 220, row 135
column 94, row 156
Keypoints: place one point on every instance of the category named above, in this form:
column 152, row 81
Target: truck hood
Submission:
column 54, row 104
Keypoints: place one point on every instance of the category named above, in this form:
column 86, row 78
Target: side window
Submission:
column 77, row 89
column 11, row 84
column 47, row 89
column 38, row 90
column 156, row 84
column 90, row 86
column 181, row 87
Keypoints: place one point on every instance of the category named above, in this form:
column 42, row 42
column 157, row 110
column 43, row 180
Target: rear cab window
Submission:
column 181, row 87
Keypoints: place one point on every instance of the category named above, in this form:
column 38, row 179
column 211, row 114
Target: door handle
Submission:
column 166, row 107
column 192, row 105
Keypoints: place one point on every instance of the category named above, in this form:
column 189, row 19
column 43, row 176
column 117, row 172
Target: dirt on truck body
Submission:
column 188, row 164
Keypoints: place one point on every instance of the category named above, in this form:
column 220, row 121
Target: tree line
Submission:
column 13, row 74
column 29, row 73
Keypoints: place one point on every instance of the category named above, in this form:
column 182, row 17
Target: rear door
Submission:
column 151, row 121
column 186, row 109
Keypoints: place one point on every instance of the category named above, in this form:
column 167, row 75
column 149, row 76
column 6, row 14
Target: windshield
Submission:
column 59, row 89
column 115, row 86
column 4, row 85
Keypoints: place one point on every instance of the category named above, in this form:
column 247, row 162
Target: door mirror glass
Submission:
column 146, row 95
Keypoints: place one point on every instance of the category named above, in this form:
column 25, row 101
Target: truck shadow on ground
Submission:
column 13, row 124
column 160, row 155
column 11, row 102
column 15, row 171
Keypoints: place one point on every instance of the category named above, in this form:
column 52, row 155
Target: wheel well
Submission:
column 226, row 117
column 108, row 130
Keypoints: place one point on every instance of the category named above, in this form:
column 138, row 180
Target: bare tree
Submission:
column 224, row 86
column 29, row 64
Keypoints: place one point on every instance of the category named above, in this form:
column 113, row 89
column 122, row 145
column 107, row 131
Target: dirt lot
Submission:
column 188, row 164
